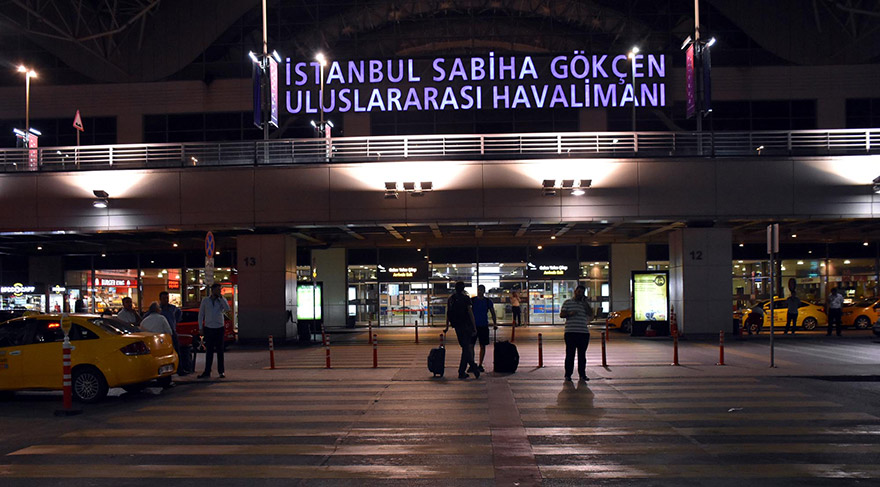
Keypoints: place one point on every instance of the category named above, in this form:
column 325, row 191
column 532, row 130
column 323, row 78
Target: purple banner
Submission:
column 273, row 89
column 691, row 82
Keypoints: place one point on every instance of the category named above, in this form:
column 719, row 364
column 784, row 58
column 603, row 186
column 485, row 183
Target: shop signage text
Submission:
column 113, row 282
column 403, row 271
column 17, row 289
column 173, row 284
column 56, row 289
column 553, row 270
column 576, row 80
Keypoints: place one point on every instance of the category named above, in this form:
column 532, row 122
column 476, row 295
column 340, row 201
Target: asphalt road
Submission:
column 812, row 420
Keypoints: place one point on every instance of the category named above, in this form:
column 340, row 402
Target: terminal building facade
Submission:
column 523, row 146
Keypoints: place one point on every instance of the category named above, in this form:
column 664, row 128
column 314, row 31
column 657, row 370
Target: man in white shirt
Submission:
column 154, row 321
column 128, row 314
column 212, row 325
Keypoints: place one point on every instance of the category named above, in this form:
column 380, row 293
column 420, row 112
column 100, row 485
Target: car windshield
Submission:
column 114, row 326
column 865, row 304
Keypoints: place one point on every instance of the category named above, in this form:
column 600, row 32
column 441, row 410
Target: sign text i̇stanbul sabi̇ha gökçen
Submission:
column 576, row 80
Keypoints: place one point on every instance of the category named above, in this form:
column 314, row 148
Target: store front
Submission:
column 403, row 287
column 553, row 276
column 22, row 296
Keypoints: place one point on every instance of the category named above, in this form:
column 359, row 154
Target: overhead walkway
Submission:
column 446, row 147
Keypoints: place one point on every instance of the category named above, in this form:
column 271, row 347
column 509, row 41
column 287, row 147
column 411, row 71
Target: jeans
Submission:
column 790, row 318
column 214, row 343
column 466, row 341
column 835, row 316
column 576, row 342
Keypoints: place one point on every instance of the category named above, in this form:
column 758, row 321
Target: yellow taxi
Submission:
column 106, row 353
column 810, row 316
column 861, row 314
column 620, row 320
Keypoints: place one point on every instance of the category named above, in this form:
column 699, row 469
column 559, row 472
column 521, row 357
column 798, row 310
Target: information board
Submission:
column 650, row 296
column 308, row 301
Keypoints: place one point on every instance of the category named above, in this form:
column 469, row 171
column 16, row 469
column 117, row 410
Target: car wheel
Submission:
column 754, row 328
column 809, row 323
column 133, row 388
column 862, row 322
column 89, row 384
column 626, row 326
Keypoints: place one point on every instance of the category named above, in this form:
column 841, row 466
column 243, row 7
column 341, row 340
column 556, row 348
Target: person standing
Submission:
column 835, row 311
column 577, row 314
column 172, row 314
column 212, row 326
column 791, row 317
column 515, row 308
column 460, row 314
column 128, row 314
column 482, row 306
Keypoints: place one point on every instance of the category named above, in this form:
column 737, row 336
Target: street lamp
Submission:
column 322, row 61
column 28, row 74
column 632, row 56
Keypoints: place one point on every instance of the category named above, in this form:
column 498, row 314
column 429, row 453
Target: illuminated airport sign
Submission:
column 650, row 296
column 575, row 80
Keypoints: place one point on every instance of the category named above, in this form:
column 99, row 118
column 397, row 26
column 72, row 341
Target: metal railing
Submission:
column 421, row 147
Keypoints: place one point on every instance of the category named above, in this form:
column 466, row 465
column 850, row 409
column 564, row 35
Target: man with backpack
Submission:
column 460, row 314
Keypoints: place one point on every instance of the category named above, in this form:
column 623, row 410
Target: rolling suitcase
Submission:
column 506, row 356
column 437, row 360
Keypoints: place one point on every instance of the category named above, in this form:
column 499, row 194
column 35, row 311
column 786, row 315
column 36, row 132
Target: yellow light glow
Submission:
column 600, row 171
column 373, row 176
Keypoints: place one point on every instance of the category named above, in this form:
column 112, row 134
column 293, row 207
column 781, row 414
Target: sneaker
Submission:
column 481, row 368
column 584, row 378
column 222, row 376
column 462, row 376
column 204, row 376
column 568, row 378
column 476, row 373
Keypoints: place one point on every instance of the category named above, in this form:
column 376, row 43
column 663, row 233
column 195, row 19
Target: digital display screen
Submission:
column 650, row 296
column 308, row 302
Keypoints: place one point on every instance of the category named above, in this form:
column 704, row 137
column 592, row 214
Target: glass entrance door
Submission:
column 545, row 301
column 401, row 304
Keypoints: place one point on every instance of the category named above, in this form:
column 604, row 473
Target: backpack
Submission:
column 458, row 310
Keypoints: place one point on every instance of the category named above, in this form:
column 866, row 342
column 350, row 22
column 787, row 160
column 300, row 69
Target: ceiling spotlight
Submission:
column 711, row 42
column 174, row 244
column 865, row 244
column 39, row 247
column 578, row 192
column 742, row 245
column 409, row 186
column 548, row 188
column 876, row 186
column 540, row 247
column 103, row 199
column 552, row 237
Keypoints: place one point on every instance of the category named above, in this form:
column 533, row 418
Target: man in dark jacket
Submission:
column 460, row 314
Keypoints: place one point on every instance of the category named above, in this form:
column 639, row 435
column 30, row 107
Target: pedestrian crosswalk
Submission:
column 492, row 431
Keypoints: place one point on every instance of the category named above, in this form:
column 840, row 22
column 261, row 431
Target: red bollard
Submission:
column 417, row 332
column 540, row 349
column 327, row 349
column 675, row 347
column 604, row 359
column 442, row 340
column 271, row 353
column 720, row 348
column 375, row 351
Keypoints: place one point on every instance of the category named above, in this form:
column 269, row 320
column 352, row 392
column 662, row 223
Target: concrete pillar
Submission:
column 699, row 280
column 332, row 271
column 625, row 258
column 266, row 287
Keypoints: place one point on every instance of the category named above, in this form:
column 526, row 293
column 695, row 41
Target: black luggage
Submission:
column 506, row 356
column 437, row 360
